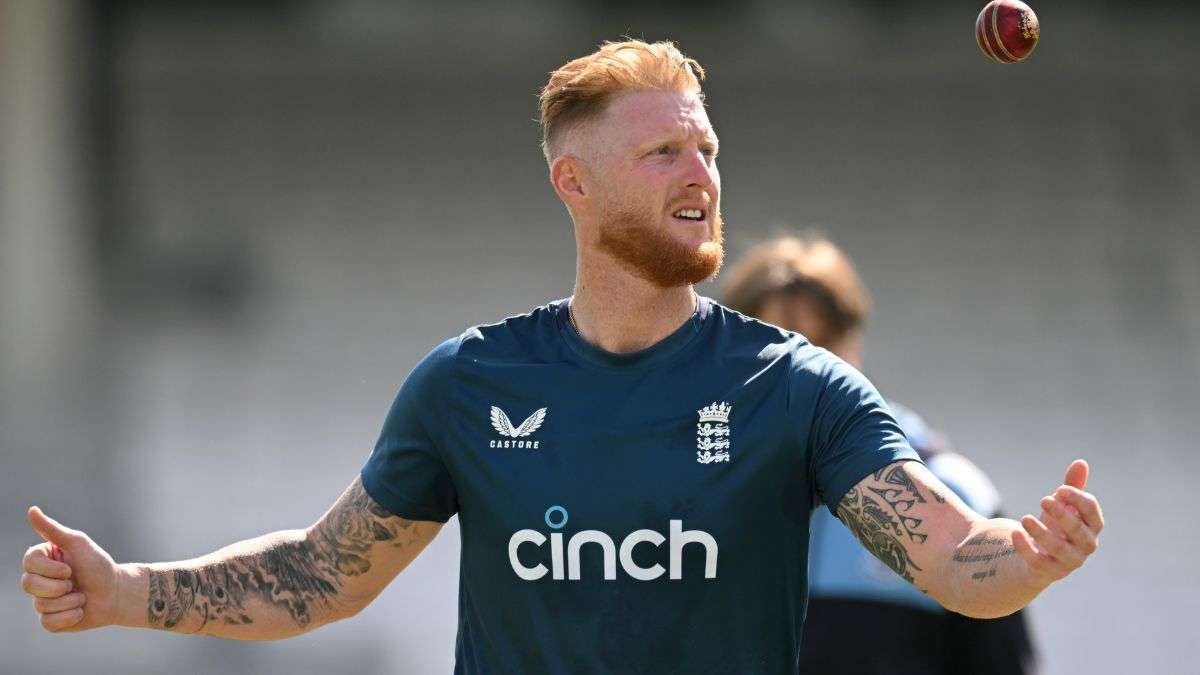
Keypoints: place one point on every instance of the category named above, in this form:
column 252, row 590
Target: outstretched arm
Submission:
column 275, row 586
column 980, row 567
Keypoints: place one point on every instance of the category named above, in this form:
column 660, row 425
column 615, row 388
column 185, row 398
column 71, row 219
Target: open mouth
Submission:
column 694, row 215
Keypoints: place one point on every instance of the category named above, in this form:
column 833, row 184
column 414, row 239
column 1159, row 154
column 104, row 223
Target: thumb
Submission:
column 50, row 529
column 1077, row 474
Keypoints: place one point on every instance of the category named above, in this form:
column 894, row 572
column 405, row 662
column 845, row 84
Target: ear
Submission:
column 568, row 176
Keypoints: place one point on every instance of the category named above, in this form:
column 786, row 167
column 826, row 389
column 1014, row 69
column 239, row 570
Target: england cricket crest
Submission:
column 712, row 433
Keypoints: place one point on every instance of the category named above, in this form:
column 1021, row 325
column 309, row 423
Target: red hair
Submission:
column 581, row 90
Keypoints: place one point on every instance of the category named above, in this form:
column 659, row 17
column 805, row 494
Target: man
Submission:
column 809, row 286
column 649, row 513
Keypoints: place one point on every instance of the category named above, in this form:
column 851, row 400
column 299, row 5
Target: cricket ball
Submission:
column 1007, row 30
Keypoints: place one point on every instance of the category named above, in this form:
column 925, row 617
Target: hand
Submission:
column 72, row 580
column 1068, row 530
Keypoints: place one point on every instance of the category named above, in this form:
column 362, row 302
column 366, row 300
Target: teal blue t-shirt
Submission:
column 630, row 513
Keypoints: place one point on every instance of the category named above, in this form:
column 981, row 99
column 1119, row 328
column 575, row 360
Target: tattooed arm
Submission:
column 274, row 586
column 983, row 568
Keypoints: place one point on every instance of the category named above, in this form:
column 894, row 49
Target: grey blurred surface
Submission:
column 205, row 316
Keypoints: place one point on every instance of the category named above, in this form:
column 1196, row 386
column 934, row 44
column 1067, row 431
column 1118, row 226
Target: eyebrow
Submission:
column 706, row 136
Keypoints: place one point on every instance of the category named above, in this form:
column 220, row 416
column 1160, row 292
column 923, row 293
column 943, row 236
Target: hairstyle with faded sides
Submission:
column 581, row 90
column 810, row 265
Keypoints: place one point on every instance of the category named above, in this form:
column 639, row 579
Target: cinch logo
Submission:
column 556, row 519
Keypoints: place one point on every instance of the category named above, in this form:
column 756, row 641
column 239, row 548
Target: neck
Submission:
column 620, row 312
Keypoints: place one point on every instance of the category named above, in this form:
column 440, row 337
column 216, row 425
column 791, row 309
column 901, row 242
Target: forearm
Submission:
column 274, row 586
column 982, row 568
column 985, row 577
column 280, row 584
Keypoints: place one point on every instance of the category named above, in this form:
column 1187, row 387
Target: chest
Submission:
column 572, row 450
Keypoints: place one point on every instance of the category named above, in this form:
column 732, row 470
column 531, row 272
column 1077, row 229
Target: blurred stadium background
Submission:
column 229, row 229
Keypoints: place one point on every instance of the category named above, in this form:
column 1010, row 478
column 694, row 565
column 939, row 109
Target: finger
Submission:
column 1066, row 519
column 1085, row 503
column 1024, row 545
column 1050, row 522
column 1046, row 540
column 43, row 587
column 51, row 605
column 50, row 529
column 1071, row 510
column 1036, row 560
column 1053, row 512
column 61, row 620
column 37, row 561
column 1077, row 474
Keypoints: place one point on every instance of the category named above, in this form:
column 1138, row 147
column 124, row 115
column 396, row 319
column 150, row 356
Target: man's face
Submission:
column 799, row 312
column 802, row 313
column 657, row 187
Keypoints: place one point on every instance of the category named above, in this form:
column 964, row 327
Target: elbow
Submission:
column 349, row 612
column 949, row 602
column 976, row 612
column 975, row 608
column 335, row 613
column 352, row 600
column 329, row 612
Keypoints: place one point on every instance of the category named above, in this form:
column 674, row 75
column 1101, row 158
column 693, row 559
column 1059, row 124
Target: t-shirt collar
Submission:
column 653, row 355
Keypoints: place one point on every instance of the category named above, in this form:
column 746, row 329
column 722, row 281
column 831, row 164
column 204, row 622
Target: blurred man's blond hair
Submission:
column 581, row 90
column 794, row 264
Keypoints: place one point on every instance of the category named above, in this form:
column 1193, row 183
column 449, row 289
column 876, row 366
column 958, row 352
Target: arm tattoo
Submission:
column 290, row 575
column 880, row 518
column 984, row 548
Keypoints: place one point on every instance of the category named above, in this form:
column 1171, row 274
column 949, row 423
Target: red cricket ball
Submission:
column 1007, row 30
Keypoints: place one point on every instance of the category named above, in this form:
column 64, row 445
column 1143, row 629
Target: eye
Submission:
column 664, row 150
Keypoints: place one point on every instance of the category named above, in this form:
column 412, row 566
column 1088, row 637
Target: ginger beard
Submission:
column 636, row 240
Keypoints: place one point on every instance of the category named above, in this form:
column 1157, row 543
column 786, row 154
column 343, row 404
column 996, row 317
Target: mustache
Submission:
column 703, row 197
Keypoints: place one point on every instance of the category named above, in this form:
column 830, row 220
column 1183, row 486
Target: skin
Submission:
column 275, row 586
column 906, row 517
column 647, row 154
column 980, row 567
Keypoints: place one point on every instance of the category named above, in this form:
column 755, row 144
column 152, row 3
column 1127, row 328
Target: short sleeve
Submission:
column 406, row 473
column 852, row 433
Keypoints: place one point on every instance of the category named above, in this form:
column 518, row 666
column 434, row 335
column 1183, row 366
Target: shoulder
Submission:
column 528, row 337
column 743, row 335
column 814, row 376
column 521, row 337
column 744, row 327
column 809, row 365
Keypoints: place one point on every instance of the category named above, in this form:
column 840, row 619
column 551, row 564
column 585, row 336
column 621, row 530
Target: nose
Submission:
column 701, row 170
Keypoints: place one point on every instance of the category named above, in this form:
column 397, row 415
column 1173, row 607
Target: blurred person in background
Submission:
column 649, row 512
column 808, row 285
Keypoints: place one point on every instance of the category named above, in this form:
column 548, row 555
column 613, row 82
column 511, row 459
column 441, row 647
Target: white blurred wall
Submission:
column 317, row 194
